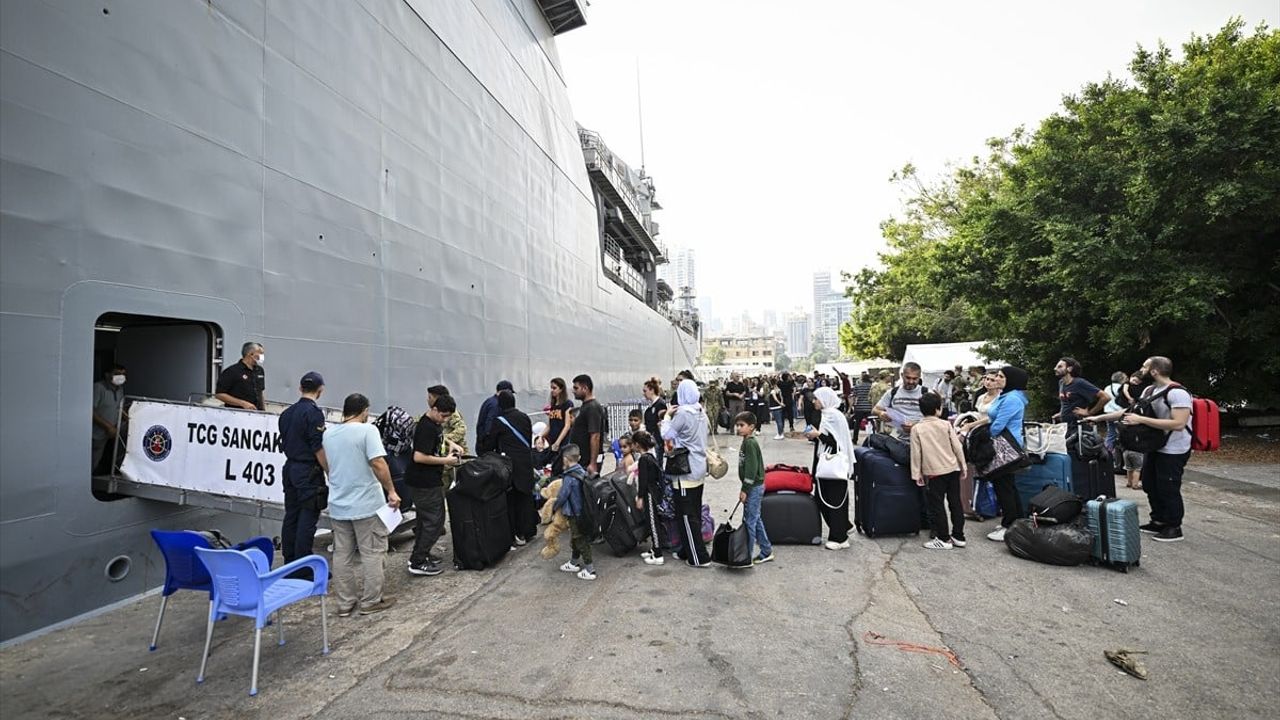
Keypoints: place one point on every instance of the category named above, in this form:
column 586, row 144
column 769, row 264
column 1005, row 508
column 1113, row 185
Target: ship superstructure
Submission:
column 392, row 192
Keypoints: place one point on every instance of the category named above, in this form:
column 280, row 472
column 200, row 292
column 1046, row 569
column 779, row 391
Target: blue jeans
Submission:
column 777, row 419
column 755, row 524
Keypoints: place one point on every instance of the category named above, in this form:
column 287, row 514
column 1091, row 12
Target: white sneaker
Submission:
column 586, row 575
column 778, row 437
column 996, row 535
column 651, row 560
column 646, row 554
column 957, row 541
column 936, row 544
column 833, row 545
column 570, row 567
column 519, row 541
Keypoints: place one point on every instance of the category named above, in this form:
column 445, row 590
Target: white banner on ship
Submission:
column 206, row 449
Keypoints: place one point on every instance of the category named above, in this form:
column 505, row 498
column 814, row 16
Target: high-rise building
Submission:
column 798, row 333
column 834, row 311
column 821, row 292
column 770, row 321
column 680, row 275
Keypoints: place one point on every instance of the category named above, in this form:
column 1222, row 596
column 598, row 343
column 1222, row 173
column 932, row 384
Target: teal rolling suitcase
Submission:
column 1116, row 539
column 1055, row 470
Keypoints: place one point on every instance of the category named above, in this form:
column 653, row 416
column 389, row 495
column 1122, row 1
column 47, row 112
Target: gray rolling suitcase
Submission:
column 1117, row 542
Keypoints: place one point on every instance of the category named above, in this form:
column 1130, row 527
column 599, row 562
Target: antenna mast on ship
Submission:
column 640, row 114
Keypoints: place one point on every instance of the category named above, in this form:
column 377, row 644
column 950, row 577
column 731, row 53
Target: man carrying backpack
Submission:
column 1163, row 410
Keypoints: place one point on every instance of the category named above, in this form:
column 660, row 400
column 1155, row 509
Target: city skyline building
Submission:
column 834, row 311
column 799, row 333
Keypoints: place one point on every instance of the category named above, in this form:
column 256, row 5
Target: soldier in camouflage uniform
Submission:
column 712, row 402
column 455, row 430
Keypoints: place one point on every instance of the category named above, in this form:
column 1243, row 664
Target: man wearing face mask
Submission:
column 108, row 396
column 242, row 384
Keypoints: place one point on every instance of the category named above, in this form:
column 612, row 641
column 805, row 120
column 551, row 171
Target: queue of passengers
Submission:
column 345, row 468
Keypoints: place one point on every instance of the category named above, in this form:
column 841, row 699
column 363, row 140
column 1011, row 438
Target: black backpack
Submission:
column 1144, row 438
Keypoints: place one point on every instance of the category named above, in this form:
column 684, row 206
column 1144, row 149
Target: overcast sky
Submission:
column 771, row 128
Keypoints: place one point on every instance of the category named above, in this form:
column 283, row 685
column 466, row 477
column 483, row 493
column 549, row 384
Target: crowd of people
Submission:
column 664, row 454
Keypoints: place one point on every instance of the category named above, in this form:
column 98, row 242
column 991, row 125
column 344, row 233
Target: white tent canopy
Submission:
column 936, row 358
column 854, row 368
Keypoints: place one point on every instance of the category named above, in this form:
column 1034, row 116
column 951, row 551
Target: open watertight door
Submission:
column 206, row 456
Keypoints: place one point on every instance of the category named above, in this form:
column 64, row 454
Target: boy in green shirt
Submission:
column 751, row 475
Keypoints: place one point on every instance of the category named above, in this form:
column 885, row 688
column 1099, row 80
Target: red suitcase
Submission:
column 778, row 478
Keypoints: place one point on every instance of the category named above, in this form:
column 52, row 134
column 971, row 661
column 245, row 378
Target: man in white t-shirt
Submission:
column 359, row 485
column 1162, row 468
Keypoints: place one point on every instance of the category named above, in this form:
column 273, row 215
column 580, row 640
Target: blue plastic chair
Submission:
column 183, row 571
column 242, row 587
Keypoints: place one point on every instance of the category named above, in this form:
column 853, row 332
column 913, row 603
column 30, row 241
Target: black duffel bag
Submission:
column 1066, row 545
column 892, row 446
column 1054, row 505
column 731, row 546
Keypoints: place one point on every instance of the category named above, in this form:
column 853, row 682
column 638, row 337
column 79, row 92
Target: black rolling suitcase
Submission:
column 480, row 530
column 477, row 503
column 886, row 500
column 1091, row 479
column 623, row 526
column 791, row 518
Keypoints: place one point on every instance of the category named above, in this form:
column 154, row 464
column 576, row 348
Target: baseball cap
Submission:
column 505, row 385
column 311, row 381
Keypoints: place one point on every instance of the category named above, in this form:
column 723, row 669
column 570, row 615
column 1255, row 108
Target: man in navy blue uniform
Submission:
column 489, row 410
column 302, row 433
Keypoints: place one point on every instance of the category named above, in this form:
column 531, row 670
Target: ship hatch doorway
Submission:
column 164, row 358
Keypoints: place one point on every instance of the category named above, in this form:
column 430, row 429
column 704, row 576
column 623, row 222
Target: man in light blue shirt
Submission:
column 358, row 481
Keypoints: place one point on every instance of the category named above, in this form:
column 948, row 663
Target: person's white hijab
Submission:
column 687, row 396
column 833, row 422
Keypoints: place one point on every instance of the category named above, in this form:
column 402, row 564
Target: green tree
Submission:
column 781, row 362
column 1141, row 219
column 713, row 356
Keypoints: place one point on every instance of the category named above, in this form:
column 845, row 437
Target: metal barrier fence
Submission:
column 617, row 414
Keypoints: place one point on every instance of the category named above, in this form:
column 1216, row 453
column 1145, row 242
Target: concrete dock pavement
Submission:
column 784, row 640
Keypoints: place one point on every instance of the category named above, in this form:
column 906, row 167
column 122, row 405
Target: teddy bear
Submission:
column 556, row 522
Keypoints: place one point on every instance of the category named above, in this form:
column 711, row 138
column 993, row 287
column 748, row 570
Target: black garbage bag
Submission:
column 1052, row 544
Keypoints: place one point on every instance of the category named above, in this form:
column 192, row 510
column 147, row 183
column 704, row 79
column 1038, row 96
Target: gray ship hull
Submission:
column 392, row 193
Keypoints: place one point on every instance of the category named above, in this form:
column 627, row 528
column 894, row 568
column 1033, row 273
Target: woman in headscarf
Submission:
column 1006, row 413
column 832, row 435
column 685, row 426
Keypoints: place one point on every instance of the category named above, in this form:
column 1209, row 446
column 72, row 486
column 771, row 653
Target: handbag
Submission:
column 677, row 462
column 1009, row 456
column 731, row 546
column 717, row 467
column 725, row 419
column 833, row 466
column 1043, row 439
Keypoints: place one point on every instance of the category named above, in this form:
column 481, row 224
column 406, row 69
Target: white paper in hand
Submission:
column 390, row 517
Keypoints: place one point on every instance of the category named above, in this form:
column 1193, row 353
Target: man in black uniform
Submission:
column 590, row 424
column 242, row 385
column 305, row 494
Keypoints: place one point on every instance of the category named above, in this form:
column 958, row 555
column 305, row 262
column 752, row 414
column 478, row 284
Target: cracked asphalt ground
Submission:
column 781, row 640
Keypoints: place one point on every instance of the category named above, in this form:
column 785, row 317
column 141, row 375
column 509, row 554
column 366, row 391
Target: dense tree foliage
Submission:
column 1141, row 219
